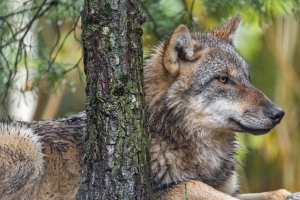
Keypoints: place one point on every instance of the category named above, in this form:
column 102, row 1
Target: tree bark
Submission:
column 116, row 151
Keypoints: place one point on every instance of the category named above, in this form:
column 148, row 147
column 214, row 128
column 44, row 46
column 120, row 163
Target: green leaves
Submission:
column 34, row 35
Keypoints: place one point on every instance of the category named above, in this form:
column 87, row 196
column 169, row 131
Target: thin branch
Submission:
column 57, row 39
column 190, row 11
column 11, row 14
column 14, row 30
column 155, row 26
column 76, row 26
column 60, row 47
column 74, row 67
column 24, row 35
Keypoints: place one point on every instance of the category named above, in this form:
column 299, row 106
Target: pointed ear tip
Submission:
column 181, row 26
column 238, row 17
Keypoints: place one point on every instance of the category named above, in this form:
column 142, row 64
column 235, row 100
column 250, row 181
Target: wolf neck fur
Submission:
column 179, row 150
column 197, row 159
column 178, row 155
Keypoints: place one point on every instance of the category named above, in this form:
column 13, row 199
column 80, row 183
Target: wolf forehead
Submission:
column 218, row 58
column 187, row 58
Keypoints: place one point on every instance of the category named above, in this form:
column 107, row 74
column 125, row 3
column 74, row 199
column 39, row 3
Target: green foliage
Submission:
column 26, row 44
column 164, row 16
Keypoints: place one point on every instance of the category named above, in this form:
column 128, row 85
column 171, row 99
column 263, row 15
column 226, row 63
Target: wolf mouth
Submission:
column 243, row 128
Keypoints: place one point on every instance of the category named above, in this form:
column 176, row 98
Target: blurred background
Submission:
column 42, row 76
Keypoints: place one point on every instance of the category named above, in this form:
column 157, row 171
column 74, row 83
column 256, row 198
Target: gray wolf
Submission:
column 198, row 93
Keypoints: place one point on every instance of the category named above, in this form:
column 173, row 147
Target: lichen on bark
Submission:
column 116, row 153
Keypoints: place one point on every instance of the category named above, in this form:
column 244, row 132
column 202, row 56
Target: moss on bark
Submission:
column 116, row 152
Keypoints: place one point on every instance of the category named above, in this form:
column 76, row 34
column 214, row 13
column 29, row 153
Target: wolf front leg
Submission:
column 195, row 190
column 273, row 195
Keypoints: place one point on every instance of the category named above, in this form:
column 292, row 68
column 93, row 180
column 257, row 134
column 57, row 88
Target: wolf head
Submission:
column 197, row 82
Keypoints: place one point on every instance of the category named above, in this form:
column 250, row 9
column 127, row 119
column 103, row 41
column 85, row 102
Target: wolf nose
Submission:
column 275, row 114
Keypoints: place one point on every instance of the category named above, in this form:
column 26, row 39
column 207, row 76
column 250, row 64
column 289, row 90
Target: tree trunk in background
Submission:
column 116, row 152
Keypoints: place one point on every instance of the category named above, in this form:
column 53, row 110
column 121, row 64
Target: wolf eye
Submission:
column 223, row 79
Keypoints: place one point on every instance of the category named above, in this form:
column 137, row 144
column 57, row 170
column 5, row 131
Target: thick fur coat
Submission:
column 41, row 160
column 198, row 93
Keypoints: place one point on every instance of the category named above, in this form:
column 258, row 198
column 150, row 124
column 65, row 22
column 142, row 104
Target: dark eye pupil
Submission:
column 223, row 79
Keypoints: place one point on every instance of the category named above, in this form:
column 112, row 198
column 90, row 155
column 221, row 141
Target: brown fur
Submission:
column 198, row 94
column 41, row 160
column 21, row 161
column 188, row 146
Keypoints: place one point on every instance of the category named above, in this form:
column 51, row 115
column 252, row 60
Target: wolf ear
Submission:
column 180, row 45
column 226, row 31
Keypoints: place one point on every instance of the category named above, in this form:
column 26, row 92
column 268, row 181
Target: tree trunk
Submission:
column 116, row 151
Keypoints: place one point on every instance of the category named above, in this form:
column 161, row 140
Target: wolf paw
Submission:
column 294, row 196
column 278, row 195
